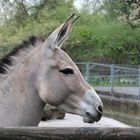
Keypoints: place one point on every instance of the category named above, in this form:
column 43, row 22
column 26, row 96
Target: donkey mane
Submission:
column 7, row 62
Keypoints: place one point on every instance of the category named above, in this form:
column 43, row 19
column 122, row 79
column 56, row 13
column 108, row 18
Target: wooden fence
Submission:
column 97, row 133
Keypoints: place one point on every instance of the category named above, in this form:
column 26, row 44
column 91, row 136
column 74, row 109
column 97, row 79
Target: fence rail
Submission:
column 111, row 76
column 97, row 133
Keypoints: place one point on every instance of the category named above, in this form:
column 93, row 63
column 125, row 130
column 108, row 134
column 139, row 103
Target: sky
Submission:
column 78, row 3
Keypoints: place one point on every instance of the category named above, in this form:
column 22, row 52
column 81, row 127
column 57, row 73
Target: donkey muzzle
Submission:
column 92, row 107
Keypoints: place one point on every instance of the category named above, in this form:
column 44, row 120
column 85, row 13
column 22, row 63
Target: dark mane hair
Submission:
column 6, row 60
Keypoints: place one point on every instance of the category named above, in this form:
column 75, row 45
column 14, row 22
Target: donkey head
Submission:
column 60, row 81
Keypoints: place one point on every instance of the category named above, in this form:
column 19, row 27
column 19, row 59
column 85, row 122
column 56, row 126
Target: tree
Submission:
column 6, row 11
column 99, row 36
column 124, row 10
column 28, row 19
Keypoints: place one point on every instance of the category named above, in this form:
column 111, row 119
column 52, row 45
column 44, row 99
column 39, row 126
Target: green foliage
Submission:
column 104, row 41
column 98, row 37
column 20, row 27
column 126, row 11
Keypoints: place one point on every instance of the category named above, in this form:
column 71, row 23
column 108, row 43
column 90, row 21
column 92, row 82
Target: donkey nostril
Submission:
column 100, row 109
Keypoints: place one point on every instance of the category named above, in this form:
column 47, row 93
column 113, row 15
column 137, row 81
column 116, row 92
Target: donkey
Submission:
column 38, row 72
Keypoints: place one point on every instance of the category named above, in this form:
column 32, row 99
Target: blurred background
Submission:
column 106, row 28
column 105, row 44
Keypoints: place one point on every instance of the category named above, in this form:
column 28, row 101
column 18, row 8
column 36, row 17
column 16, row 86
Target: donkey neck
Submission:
column 21, row 104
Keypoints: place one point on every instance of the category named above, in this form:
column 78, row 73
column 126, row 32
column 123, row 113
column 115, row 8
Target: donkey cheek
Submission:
column 56, row 99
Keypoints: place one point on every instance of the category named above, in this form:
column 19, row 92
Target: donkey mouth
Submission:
column 88, row 118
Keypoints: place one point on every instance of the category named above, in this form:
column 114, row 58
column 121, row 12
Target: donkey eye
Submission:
column 67, row 71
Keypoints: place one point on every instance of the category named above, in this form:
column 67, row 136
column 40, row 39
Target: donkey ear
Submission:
column 65, row 30
column 58, row 36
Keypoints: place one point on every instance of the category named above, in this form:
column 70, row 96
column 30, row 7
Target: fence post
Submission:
column 112, row 79
column 139, row 82
column 87, row 72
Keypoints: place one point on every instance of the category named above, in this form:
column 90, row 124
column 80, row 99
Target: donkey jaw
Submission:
column 91, row 107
